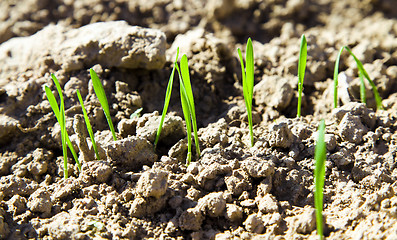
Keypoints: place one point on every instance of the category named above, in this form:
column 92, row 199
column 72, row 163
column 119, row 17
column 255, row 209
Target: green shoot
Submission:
column 363, row 95
column 248, row 82
column 319, row 175
column 69, row 143
column 136, row 114
column 100, row 93
column 301, row 72
column 167, row 100
column 361, row 70
column 62, row 123
column 188, row 108
column 187, row 102
column 60, row 116
column 87, row 122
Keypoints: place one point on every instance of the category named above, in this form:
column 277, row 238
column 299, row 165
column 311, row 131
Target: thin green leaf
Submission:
column 58, row 86
column 63, row 136
column 100, row 93
column 241, row 64
column 247, row 74
column 245, row 88
column 166, row 100
column 60, row 115
column 361, row 69
column 319, row 176
column 363, row 94
column 56, row 109
column 301, row 72
column 188, row 89
column 88, row 124
column 249, row 58
column 59, row 89
column 76, row 159
column 186, row 109
column 336, row 74
column 53, row 102
column 136, row 114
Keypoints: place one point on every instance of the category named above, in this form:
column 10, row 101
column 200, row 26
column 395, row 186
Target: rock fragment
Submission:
column 274, row 91
column 258, row 168
column 212, row 204
column 40, row 202
column 95, row 172
column 305, row 222
column 351, row 129
column 141, row 207
column 110, row 44
column 152, row 183
column 4, row 230
column 191, row 219
column 8, row 128
column 366, row 115
column 238, row 182
column 267, row 204
column 234, row 213
column 172, row 131
column 254, row 224
column 11, row 185
column 280, row 135
column 16, row 205
column 131, row 153
column 64, row 225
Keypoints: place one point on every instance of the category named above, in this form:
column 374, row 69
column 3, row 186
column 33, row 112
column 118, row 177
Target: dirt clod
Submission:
column 233, row 190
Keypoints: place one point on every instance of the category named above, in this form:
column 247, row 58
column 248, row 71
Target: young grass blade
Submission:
column 336, row 73
column 59, row 114
column 59, row 89
column 363, row 94
column 136, row 114
column 301, row 72
column 186, row 114
column 63, row 135
column 248, row 82
column 189, row 94
column 186, row 109
column 319, row 175
column 167, row 100
column 100, row 93
column 88, row 124
column 56, row 109
column 361, row 70
column 53, row 102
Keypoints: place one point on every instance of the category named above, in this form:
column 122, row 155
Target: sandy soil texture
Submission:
column 233, row 191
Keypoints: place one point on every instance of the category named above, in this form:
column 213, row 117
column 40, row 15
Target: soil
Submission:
column 233, row 191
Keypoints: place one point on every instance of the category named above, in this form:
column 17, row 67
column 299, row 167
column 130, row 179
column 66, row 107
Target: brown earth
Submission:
column 233, row 191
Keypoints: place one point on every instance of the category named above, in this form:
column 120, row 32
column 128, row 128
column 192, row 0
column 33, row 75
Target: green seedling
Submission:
column 301, row 72
column 88, row 124
column 363, row 94
column 100, row 93
column 187, row 102
column 248, row 82
column 188, row 108
column 362, row 71
column 166, row 100
column 59, row 112
column 136, row 114
column 319, row 176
